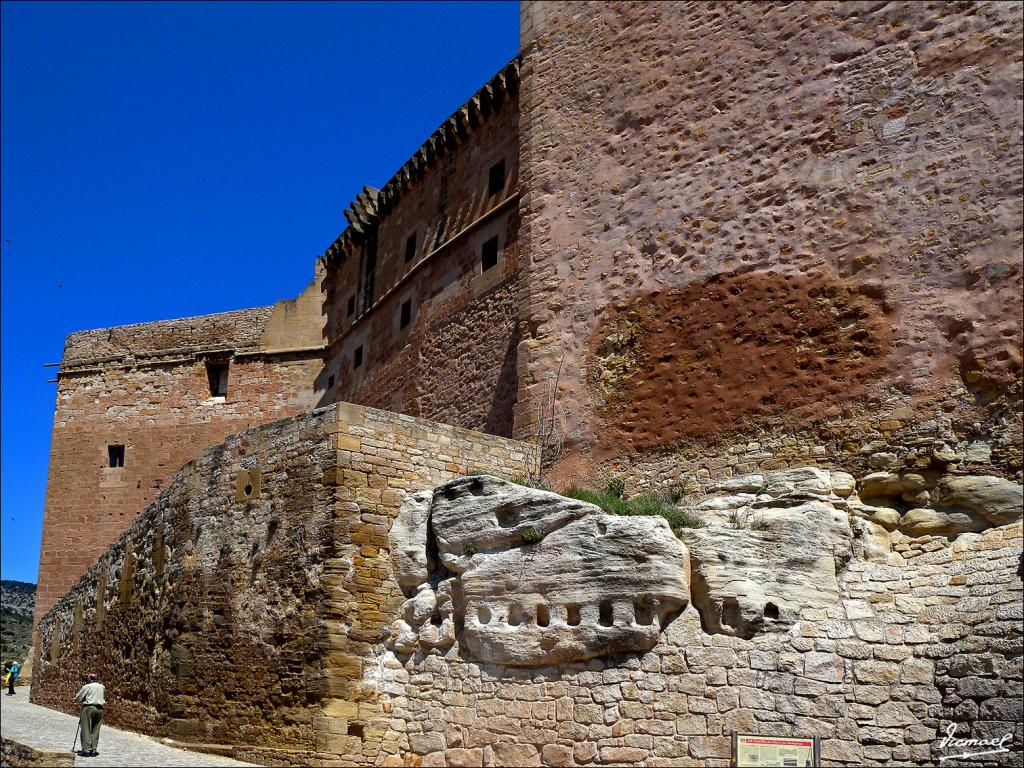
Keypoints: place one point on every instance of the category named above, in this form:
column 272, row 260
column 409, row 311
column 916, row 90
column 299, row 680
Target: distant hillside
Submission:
column 18, row 597
column 17, row 602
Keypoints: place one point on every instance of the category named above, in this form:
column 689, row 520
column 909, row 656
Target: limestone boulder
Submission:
column 886, row 517
column 754, row 483
column 410, row 559
column 799, row 480
column 889, row 484
column 600, row 585
column 754, row 579
column 936, row 522
column 965, row 504
column 992, row 500
column 843, row 484
column 484, row 514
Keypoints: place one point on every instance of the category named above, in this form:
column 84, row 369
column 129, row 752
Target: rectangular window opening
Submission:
column 115, row 455
column 357, row 357
column 489, row 254
column 351, row 309
column 406, row 316
column 410, row 248
column 496, row 179
column 330, row 382
column 217, row 376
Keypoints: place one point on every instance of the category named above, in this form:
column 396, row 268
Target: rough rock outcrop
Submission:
column 757, row 571
column 486, row 515
column 604, row 584
column 534, row 577
column 937, row 506
column 410, row 558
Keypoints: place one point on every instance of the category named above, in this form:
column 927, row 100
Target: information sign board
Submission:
column 757, row 751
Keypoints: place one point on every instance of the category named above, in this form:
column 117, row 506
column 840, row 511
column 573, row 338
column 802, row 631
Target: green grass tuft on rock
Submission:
column 644, row 504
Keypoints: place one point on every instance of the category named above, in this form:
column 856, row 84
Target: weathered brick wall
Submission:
column 770, row 223
column 464, row 322
column 146, row 387
column 915, row 646
column 217, row 618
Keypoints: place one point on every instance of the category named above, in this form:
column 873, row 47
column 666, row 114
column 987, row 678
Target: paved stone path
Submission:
column 53, row 731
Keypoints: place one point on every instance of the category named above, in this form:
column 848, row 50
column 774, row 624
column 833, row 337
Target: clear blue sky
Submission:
column 170, row 159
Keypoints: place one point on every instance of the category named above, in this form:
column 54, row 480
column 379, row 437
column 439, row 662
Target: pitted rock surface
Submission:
column 492, row 515
column 604, row 584
column 535, row 578
column 747, row 580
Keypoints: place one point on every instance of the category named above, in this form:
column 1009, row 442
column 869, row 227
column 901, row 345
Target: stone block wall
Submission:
column 264, row 623
column 463, row 321
column 242, row 605
column 145, row 387
column 794, row 225
column 930, row 638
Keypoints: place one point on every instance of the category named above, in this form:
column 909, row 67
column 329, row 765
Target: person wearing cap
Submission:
column 91, row 697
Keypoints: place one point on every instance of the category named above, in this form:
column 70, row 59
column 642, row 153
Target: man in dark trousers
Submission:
column 91, row 697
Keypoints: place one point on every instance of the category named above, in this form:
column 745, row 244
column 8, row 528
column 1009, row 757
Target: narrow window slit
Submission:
column 115, row 455
column 489, row 254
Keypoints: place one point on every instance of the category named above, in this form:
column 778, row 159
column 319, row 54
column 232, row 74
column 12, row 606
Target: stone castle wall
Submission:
column 454, row 361
column 267, row 624
column 145, row 387
column 910, row 649
column 242, row 604
column 795, row 226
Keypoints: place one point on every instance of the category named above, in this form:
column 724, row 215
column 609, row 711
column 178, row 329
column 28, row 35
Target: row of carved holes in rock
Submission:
column 642, row 611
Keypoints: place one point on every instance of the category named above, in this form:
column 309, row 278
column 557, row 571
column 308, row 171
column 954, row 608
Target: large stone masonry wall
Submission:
column 930, row 638
column 213, row 611
column 455, row 361
column 146, row 387
column 242, row 605
column 794, row 224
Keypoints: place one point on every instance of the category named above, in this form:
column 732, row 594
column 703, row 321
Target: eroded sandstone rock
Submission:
column 751, row 579
column 484, row 514
column 604, row 584
column 991, row 499
column 410, row 559
column 533, row 577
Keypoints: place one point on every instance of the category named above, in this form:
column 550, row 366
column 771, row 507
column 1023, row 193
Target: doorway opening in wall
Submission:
column 489, row 254
column 406, row 316
column 217, row 376
column 115, row 455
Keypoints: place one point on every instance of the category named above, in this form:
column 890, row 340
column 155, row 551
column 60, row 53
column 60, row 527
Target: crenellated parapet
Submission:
column 370, row 204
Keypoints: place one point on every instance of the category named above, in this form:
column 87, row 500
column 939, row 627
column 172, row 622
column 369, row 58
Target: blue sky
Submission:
column 170, row 159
